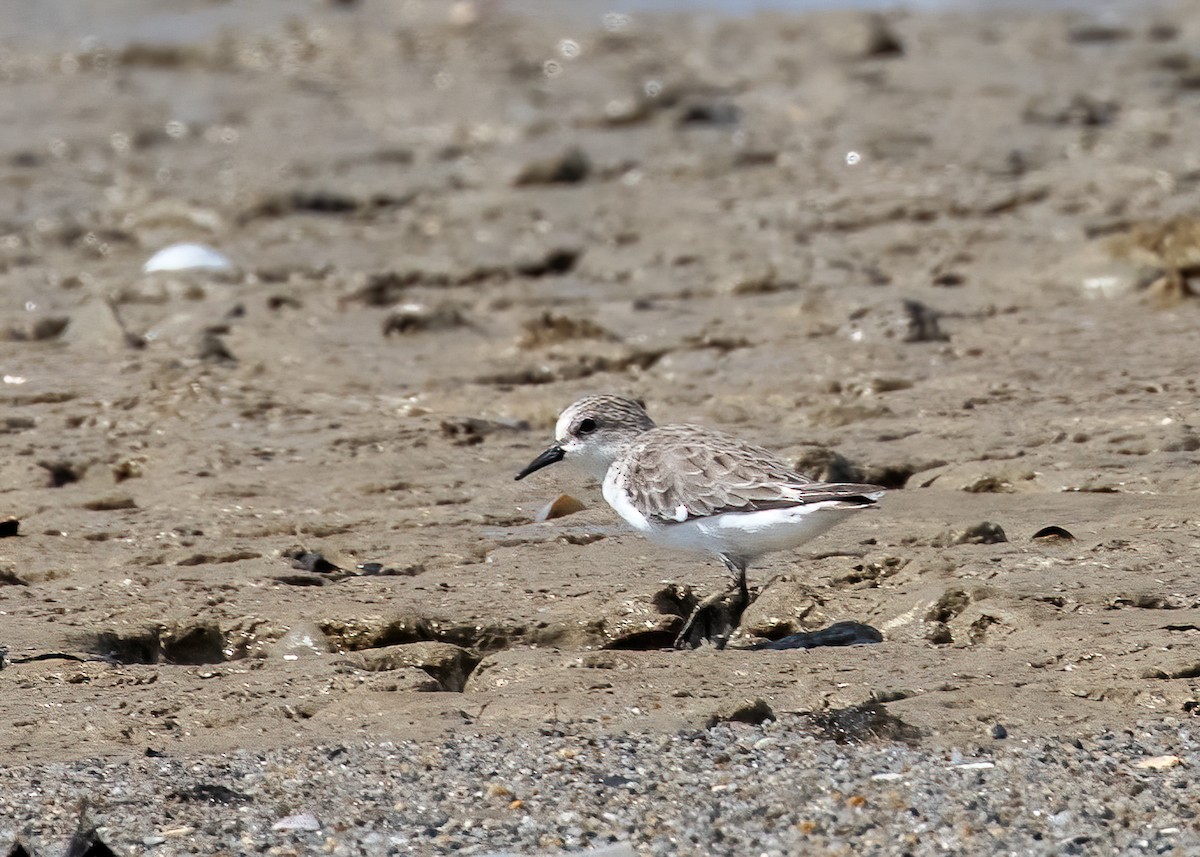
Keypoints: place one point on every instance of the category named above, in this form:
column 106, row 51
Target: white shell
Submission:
column 187, row 257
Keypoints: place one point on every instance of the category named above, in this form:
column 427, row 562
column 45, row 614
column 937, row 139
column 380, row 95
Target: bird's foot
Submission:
column 714, row 619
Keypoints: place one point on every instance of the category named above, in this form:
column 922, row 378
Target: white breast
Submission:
column 742, row 534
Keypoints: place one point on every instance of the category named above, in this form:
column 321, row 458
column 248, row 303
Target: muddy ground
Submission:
column 449, row 224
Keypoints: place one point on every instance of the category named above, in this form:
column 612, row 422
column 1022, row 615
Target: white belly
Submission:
column 747, row 535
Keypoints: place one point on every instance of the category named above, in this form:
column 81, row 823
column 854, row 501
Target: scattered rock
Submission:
column 449, row 664
column 949, row 605
column 127, row 469
column 558, row 260
column 63, row 472
column 753, row 711
column 13, row 425
column 838, row 415
column 379, row 569
column 709, row 113
column 278, row 302
column 1095, row 32
column 998, row 731
column 9, row 577
column 766, row 282
column 1081, row 110
column 411, row 318
column 86, row 842
column 210, row 793
column 213, row 349
column 113, row 503
column 983, row 533
column 9, row 527
column 559, row 507
column 859, row 723
column 570, row 167
column 48, row 327
column 939, row 634
column 301, row 822
column 1172, row 249
column 837, row 634
column 384, row 289
column 827, row 465
column 1146, row 601
column 320, row 202
column 1052, row 534
column 785, row 606
column 922, row 323
column 859, row 35
column 642, row 624
column 550, row 328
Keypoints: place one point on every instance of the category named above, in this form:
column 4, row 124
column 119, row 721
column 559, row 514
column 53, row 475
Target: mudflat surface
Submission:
column 953, row 248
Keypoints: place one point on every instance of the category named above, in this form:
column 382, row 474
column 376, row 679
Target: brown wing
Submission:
column 701, row 473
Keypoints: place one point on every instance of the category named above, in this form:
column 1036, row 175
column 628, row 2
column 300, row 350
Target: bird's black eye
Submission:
column 586, row 426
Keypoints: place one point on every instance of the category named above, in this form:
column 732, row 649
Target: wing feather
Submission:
column 707, row 472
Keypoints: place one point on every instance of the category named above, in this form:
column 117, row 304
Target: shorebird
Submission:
column 693, row 488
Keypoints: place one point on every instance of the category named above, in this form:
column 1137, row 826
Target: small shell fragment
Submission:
column 187, row 257
column 559, row 507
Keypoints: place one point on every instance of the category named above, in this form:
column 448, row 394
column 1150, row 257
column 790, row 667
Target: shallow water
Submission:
column 72, row 23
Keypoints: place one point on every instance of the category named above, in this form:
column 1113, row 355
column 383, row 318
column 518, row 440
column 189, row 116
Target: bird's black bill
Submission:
column 552, row 455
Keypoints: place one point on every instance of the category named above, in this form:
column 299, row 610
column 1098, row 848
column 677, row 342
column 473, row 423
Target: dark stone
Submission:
column 571, row 167
column 706, row 113
column 837, row 634
column 922, row 323
column 306, row 560
column 753, row 711
column 1053, row 534
column 208, row 793
column 378, row 569
column 87, row 843
column 63, row 472
column 214, row 350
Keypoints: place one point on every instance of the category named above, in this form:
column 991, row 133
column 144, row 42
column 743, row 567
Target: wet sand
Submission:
column 953, row 248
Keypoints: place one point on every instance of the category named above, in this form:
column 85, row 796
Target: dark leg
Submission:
column 717, row 617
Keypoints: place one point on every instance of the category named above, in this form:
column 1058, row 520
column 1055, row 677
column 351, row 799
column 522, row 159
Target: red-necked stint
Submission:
column 697, row 489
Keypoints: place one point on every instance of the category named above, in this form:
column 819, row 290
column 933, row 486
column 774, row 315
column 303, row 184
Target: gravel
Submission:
column 774, row 788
